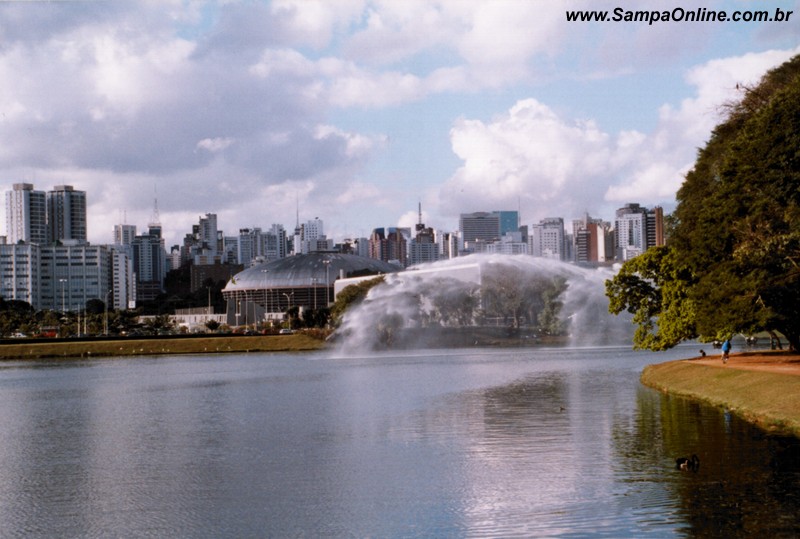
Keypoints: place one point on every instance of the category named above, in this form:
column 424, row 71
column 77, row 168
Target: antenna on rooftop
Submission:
column 156, row 218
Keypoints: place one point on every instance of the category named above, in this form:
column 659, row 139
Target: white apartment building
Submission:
column 123, row 286
column 510, row 244
column 547, row 239
column 26, row 214
column 630, row 232
column 310, row 237
column 19, row 272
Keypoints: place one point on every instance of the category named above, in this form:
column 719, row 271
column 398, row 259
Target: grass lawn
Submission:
column 135, row 347
column 769, row 399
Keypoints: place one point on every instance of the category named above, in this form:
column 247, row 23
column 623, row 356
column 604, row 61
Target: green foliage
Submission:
column 520, row 297
column 731, row 264
column 351, row 295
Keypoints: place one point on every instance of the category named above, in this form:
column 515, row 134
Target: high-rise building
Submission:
column 423, row 247
column 547, row 239
column 655, row 227
column 250, row 246
column 509, row 222
column 72, row 274
column 477, row 226
column 149, row 263
column 207, row 234
column 592, row 240
column 310, row 237
column 19, row 273
column 66, row 214
column 481, row 228
column 123, row 278
column 450, row 244
column 388, row 245
column 275, row 244
column 124, row 234
column 636, row 229
column 26, row 215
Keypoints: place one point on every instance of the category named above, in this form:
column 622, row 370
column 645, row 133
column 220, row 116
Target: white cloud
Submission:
column 555, row 166
column 235, row 107
column 215, row 145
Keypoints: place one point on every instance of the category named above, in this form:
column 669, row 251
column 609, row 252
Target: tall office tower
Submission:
column 251, row 245
column 591, row 240
column 509, row 221
column 630, row 232
column 124, row 234
column 423, row 246
column 26, row 215
column 123, row 278
column 66, row 214
column 275, row 243
column 547, row 239
column 71, row 275
column 207, row 233
column 450, row 244
column 389, row 245
column 149, row 263
column 479, row 226
column 655, row 227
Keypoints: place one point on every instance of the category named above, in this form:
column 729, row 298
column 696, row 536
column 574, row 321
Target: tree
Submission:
column 732, row 263
column 352, row 295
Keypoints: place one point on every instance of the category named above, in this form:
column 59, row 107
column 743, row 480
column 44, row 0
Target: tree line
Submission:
column 732, row 260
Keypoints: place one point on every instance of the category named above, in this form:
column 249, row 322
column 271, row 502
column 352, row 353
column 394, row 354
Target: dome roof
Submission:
column 305, row 270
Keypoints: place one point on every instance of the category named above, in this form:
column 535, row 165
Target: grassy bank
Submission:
column 768, row 399
column 136, row 347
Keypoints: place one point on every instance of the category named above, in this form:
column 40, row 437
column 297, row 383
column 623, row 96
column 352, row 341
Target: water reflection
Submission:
column 460, row 443
column 748, row 483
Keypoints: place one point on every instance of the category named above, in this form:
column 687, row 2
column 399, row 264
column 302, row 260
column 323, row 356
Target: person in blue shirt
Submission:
column 726, row 350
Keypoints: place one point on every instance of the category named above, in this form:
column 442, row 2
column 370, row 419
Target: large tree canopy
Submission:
column 731, row 261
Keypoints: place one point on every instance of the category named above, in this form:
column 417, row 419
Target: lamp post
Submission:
column 63, row 309
column 327, row 263
column 63, row 295
column 105, row 318
column 314, row 287
column 266, row 296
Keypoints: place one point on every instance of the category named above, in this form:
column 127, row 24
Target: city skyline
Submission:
column 355, row 111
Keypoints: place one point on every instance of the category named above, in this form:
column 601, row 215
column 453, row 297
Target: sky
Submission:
column 357, row 112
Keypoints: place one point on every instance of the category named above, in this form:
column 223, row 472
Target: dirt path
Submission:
column 779, row 362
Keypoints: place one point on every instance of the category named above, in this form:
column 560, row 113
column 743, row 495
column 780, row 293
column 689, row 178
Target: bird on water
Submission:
column 691, row 464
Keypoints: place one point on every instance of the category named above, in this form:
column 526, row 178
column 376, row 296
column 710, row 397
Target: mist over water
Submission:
column 529, row 296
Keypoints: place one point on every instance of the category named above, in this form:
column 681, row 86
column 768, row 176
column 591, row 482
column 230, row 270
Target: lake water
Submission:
column 458, row 443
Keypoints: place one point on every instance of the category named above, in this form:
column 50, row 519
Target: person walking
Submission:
column 726, row 350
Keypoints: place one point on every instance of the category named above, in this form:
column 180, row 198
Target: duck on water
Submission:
column 691, row 464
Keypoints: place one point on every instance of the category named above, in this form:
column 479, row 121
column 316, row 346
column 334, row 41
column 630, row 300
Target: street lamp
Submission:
column 105, row 319
column 63, row 296
column 63, row 309
column 327, row 263
column 266, row 296
column 314, row 285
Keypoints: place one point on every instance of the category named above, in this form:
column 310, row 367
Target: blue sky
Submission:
column 358, row 110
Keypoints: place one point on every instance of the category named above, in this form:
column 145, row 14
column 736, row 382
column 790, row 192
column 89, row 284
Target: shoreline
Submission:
column 112, row 348
column 760, row 387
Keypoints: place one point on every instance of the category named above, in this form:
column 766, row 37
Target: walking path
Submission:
column 764, row 361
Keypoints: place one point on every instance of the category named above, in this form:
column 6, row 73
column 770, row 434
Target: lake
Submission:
column 433, row 443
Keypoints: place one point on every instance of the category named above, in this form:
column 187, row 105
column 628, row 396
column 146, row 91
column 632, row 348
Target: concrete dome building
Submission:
column 267, row 290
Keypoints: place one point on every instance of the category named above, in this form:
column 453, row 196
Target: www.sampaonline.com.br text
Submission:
column 679, row 14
